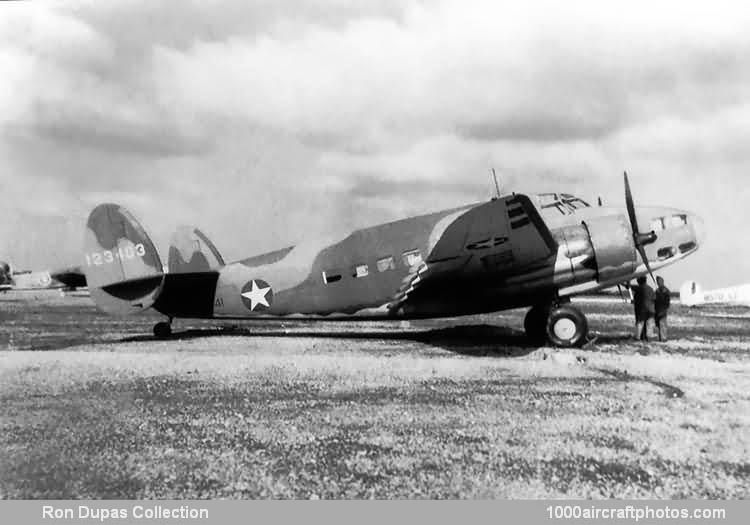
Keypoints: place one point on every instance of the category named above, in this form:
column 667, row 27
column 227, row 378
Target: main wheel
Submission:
column 535, row 323
column 567, row 327
column 162, row 330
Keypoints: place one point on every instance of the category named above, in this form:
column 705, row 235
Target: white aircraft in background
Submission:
column 692, row 294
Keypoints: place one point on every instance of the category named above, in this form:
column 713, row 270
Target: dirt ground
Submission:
column 92, row 407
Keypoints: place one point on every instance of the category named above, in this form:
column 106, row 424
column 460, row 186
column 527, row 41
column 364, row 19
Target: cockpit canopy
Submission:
column 564, row 202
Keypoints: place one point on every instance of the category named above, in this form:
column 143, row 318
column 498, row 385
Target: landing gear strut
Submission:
column 163, row 329
column 561, row 324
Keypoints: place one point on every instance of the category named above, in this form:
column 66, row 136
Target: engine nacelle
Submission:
column 614, row 250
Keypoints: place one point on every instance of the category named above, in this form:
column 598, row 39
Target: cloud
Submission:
column 133, row 23
column 138, row 132
column 59, row 88
column 486, row 71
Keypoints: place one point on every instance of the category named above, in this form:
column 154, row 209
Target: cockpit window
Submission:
column 547, row 199
column 577, row 203
column 574, row 201
column 564, row 202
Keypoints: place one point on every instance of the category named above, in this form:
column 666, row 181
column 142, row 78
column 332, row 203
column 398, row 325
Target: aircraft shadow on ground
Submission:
column 618, row 339
column 473, row 340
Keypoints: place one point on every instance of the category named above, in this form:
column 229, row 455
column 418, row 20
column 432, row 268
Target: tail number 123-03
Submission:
column 110, row 256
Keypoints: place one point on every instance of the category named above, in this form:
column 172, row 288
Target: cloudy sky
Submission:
column 262, row 122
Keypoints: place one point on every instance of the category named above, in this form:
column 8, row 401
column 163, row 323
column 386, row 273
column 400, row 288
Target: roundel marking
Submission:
column 257, row 295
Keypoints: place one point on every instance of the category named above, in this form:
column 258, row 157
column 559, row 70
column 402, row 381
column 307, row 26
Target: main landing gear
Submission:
column 560, row 324
column 163, row 330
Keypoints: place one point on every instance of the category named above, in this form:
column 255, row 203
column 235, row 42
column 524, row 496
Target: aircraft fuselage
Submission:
column 473, row 259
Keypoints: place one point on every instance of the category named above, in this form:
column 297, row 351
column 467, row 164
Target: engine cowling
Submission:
column 614, row 250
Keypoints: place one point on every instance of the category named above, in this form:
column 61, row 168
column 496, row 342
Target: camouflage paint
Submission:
column 479, row 258
column 191, row 251
column 118, row 252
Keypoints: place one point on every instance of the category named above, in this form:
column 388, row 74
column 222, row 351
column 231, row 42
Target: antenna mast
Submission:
column 497, row 186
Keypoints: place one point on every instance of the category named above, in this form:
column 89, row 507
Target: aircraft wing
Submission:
column 480, row 246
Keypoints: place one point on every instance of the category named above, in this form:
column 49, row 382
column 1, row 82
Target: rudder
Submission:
column 122, row 267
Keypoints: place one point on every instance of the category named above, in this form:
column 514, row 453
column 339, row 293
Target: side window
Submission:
column 665, row 253
column 331, row 276
column 657, row 225
column 412, row 258
column 386, row 263
column 360, row 270
column 675, row 221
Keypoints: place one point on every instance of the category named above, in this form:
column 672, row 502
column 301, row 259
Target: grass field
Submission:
column 458, row 408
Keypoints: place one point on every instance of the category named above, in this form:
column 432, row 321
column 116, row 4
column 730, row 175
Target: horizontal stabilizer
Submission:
column 121, row 264
column 190, row 251
column 70, row 277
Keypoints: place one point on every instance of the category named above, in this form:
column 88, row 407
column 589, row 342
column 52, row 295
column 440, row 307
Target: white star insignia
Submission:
column 257, row 296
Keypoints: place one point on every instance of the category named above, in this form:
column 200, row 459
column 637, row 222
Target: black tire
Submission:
column 567, row 327
column 535, row 323
column 162, row 330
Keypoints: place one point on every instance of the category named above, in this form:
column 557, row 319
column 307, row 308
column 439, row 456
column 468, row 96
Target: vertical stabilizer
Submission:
column 122, row 267
column 191, row 251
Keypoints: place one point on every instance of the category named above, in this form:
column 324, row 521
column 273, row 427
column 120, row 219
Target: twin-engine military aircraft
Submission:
column 62, row 279
column 513, row 251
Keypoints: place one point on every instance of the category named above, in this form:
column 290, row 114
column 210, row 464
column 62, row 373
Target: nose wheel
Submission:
column 163, row 330
column 561, row 325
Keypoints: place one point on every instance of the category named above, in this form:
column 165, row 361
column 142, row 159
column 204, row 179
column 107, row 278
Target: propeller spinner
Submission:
column 640, row 239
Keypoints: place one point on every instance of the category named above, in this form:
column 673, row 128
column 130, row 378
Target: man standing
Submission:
column 661, row 306
column 643, row 303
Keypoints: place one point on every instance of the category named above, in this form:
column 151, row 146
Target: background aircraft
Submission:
column 67, row 279
column 692, row 294
column 510, row 252
column 5, row 276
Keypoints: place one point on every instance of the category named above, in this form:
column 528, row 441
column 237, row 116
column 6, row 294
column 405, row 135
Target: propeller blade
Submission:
column 631, row 207
column 642, row 252
column 639, row 239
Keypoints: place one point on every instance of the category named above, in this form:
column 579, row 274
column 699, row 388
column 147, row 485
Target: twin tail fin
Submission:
column 125, row 274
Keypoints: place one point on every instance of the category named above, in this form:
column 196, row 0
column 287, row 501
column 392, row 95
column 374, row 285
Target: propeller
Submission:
column 640, row 239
